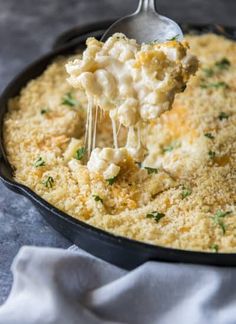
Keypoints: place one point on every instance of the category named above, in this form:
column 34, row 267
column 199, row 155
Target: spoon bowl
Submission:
column 145, row 25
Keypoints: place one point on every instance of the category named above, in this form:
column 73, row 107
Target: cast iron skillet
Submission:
column 118, row 250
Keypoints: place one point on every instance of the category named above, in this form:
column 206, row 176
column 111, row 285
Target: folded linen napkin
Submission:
column 67, row 287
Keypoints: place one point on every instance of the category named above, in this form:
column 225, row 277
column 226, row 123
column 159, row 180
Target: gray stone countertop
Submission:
column 27, row 30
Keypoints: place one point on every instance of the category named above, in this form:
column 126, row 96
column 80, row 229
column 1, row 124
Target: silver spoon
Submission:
column 145, row 25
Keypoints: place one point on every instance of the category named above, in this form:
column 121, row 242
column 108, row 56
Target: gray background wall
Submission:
column 27, row 29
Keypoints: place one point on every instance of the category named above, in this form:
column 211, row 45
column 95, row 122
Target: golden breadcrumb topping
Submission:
column 184, row 193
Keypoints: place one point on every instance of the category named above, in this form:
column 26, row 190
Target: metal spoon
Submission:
column 145, row 25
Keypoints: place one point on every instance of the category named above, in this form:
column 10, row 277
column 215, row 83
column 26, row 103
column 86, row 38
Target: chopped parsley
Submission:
column 155, row 215
column 209, row 135
column 214, row 248
column 174, row 38
column 151, row 170
column 79, row 154
column 212, row 154
column 44, row 111
column 217, row 219
column 216, row 85
column 49, row 182
column 111, row 180
column 220, row 65
column 69, row 100
column 171, row 147
column 186, row 192
column 203, row 85
column 168, row 148
column 153, row 42
column 97, row 198
column 223, row 115
column 209, row 72
column 39, row 162
column 220, row 84
column 223, row 64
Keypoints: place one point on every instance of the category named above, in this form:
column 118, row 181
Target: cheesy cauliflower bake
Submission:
column 135, row 84
column 175, row 182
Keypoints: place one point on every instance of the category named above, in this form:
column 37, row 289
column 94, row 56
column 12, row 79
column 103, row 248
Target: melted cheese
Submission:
column 134, row 83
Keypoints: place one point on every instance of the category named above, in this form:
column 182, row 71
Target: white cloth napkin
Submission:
column 70, row 286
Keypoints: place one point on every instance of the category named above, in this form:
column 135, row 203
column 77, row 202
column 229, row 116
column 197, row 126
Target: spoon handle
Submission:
column 146, row 5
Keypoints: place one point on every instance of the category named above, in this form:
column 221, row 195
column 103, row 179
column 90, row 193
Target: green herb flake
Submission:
column 220, row 84
column 155, row 215
column 174, row 38
column 151, row 170
column 97, row 198
column 209, row 72
column 80, row 153
column 217, row 219
column 48, row 183
column 203, row 85
column 168, row 148
column 212, row 154
column 209, row 135
column 185, row 192
column 223, row 64
column 44, row 111
column 214, row 248
column 222, row 226
column 39, row 162
column 153, row 42
column 223, row 115
column 216, row 85
column 221, row 214
column 69, row 100
column 111, row 180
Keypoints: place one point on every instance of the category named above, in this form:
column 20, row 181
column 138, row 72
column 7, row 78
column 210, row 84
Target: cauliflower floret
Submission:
column 107, row 161
column 135, row 84
column 138, row 82
column 73, row 146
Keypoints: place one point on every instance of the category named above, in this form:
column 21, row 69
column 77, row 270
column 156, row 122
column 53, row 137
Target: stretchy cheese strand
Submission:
column 115, row 141
column 90, row 125
column 95, row 127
